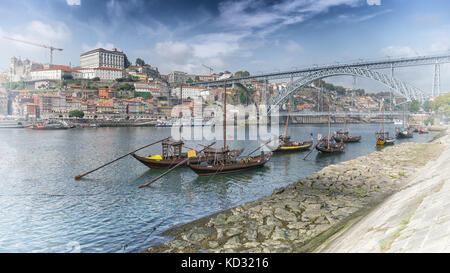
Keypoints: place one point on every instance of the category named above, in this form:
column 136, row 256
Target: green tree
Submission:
column 76, row 113
column 240, row 74
column 442, row 103
column 96, row 79
column 428, row 106
column 145, row 95
column 126, row 62
column 414, row 106
column 140, row 62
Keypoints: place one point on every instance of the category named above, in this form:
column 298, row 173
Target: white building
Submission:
column 104, row 73
column 3, row 103
column 192, row 92
column 155, row 88
column 56, row 72
column 103, row 58
column 21, row 70
column 177, row 77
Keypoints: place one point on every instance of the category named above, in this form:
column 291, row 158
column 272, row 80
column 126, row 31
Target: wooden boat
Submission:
column 404, row 131
column 228, row 163
column 383, row 137
column 287, row 145
column 329, row 145
column 325, row 145
column 342, row 135
column 168, row 162
column 172, row 155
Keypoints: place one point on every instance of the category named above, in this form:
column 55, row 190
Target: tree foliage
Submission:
column 414, row 106
column 140, row 62
column 76, row 113
column 442, row 104
column 127, row 63
column 125, row 87
column 145, row 95
column 240, row 74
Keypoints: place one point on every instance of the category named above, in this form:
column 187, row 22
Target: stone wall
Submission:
column 300, row 216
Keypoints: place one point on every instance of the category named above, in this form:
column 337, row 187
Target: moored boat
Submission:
column 383, row 137
column 403, row 133
column 49, row 126
column 325, row 145
column 287, row 145
column 229, row 163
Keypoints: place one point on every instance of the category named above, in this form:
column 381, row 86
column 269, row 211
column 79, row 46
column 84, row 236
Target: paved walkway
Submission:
column 415, row 219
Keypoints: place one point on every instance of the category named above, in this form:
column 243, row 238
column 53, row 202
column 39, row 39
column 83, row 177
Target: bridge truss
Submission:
column 361, row 68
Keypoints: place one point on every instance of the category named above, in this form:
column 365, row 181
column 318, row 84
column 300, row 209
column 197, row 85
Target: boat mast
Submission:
column 225, row 117
column 287, row 121
column 328, row 139
column 382, row 106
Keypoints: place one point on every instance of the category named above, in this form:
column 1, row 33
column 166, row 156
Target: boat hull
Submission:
column 347, row 139
column 325, row 150
column 228, row 168
column 294, row 148
column 389, row 141
column 167, row 163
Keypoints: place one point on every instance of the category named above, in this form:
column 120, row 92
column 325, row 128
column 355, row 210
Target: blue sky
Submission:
column 253, row 35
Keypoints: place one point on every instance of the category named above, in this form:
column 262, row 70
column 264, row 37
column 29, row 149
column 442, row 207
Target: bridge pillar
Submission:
column 436, row 81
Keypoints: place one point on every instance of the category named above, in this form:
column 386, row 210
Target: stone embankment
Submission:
column 414, row 219
column 301, row 216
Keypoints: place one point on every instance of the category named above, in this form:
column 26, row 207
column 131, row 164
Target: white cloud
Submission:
column 174, row 52
column 398, row 51
column 73, row 2
column 293, row 48
column 86, row 47
column 244, row 16
column 56, row 34
column 373, row 2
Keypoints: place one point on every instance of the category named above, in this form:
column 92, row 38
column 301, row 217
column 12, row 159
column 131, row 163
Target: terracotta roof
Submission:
column 56, row 67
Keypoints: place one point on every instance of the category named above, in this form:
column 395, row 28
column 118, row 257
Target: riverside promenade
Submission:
column 414, row 219
column 305, row 216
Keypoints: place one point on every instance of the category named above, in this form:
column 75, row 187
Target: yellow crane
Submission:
column 36, row 44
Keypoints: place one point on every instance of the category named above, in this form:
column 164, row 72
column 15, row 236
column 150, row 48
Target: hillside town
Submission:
column 106, row 86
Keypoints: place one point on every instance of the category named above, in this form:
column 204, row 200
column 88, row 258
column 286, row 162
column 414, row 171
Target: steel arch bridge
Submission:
column 404, row 89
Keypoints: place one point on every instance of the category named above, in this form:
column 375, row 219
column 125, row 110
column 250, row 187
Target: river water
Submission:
column 43, row 209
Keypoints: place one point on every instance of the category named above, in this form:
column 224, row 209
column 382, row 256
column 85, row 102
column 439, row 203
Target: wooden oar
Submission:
column 81, row 175
column 313, row 147
column 171, row 169
column 258, row 148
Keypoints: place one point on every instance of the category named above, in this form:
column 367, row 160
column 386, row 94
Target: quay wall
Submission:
column 303, row 215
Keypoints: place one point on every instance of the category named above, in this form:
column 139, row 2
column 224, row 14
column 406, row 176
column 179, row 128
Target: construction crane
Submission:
column 210, row 69
column 36, row 44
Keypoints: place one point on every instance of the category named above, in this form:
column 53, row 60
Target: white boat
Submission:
column 398, row 122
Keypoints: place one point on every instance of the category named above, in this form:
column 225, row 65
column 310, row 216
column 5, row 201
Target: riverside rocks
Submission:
column 296, row 214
